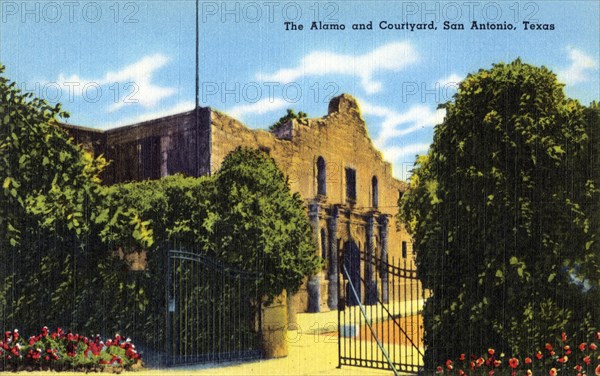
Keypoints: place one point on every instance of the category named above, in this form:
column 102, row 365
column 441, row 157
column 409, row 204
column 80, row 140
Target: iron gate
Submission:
column 379, row 314
column 212, row 310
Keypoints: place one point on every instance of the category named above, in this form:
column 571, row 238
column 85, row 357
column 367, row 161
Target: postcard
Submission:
column 300, row 187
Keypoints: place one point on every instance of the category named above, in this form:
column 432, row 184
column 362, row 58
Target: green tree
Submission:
column 290, row 115
column 259, row 224
column 498, row 211
column 50, row 216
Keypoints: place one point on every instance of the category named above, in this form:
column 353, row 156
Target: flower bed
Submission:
column 554, row 360
column 65, row 351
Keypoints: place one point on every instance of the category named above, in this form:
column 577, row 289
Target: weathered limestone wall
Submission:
column 151, row 149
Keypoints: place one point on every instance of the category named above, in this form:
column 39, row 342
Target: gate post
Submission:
column 274, row 327
column 383, row 272
column 332, row 298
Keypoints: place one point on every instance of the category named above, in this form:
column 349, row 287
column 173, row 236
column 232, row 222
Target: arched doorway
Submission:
column 352, row 265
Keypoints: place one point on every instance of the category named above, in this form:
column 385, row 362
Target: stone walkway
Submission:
column 313, row 350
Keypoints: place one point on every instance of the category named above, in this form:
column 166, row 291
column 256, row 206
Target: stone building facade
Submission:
column 350, row 193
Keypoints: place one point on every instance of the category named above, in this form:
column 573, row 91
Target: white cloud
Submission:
column 403, row 158
column 451, row 81
column 130, row 85
column 176, row 109
column 580, row 69
column 392, row 57
column 395, row 124
column 405, row 153
column 261, row 107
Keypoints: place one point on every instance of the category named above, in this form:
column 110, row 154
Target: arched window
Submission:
column 323, row 244
column 351, row 184
column 321, row 177
column 375, row 191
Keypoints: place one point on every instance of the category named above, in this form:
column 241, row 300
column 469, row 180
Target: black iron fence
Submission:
column 379, row 317
column 212, row 310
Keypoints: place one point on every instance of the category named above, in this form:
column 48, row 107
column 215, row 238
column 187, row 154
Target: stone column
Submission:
column 314, row 282
column 383, row 233
column 332, row 298
column 371, row 284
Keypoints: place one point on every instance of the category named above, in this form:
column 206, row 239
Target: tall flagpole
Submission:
column 196, row 108
column 197, row 57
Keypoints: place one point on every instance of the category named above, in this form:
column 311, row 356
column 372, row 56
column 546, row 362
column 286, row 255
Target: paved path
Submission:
column 313, row 350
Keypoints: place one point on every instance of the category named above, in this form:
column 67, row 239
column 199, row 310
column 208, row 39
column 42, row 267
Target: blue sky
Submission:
column 113, row 63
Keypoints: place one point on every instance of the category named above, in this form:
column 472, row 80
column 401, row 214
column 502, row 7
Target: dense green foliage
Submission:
column 504, row 213
column 53, row 222
column 259, row 225
column 244, row 215
column 65, row 238
column 290, row 115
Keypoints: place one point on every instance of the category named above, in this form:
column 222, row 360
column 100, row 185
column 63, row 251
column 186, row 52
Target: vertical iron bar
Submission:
column 394, row 308
column 405, row 307
column 168, row 297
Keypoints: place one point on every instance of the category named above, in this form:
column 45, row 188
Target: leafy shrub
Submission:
column 61, row 351
column 559, row 358
column 502, row 213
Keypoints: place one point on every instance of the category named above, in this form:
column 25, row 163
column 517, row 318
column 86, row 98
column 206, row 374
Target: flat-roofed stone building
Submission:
column 350, row 193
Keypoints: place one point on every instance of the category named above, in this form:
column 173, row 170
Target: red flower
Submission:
column 577, row 368
column 567, row 350
column 528, row 360
column 449, row 364
column 548, row 347
column 593, row 346
column 563, row 336
column 491, row 373
column 598, row 370
column 552, row 372
column 513, row 363
column 598, row 336
column 552, row 353
column 586, row 360
column 582, row 346
column 563, row 359
column 539, row 355
column 461, row 372
column 480, row 362
column 497, row 363
column 462, row 357
column 491, row 352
